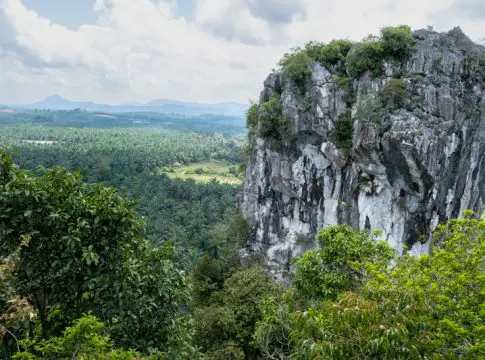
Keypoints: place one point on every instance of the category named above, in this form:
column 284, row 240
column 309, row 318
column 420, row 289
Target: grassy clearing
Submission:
column 204, row 172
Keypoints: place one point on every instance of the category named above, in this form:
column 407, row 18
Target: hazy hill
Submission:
column 56, row 102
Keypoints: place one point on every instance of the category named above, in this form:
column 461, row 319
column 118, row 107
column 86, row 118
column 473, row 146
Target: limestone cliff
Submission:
column 409, row 167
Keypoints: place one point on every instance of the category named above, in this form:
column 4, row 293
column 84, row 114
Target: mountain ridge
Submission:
column 56, row 102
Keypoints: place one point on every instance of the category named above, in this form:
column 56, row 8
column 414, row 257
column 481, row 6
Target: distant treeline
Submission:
column 227, row 125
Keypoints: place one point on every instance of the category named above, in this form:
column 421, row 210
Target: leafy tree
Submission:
column 297, row 66
column 233, row 313
column 215, row 325
column 252, row 116
column 332, row 55
column 427, row 307
column 80, row 235
column 313, row 49
column 397, row 41
column 208, row 277
column 393, row 94
column 228, row 350
column 86, row 339
column 343, row 130
column 337, row 266
column 86, row 253
column 230, row 235
column 365, row 56
column 242, row 293
column 147, row 311
column 269, row 120
column 16, row 312
column 272, row 332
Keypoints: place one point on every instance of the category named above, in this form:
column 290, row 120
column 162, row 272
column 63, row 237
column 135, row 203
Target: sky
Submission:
column 119, row 51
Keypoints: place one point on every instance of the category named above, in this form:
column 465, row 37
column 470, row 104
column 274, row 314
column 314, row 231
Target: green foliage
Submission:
column 16, row 313
column 332, row 55
column 228, row 350
column 215, row 325
column 233, row 312
column 365, row 56
column 427, row 307
column 268, row 119
column 337, row 266
column 343, row 58
column 393, row 94
column 397, row 42
column 80, row 237
column 242, row 293
column 273, row 330
column 297, row 66
column 230, row 235
column 130, row 160
column 313, row 49
column 208, row 277
column 107, row 154
column 252, row 116
column 86, row 253
column 86, row 339
column 343, row 130
column 147, row 312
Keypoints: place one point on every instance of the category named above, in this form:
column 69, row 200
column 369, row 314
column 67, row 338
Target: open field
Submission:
column 204, row 172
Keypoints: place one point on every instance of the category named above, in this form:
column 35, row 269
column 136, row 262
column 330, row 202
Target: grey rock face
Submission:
column 407, row 171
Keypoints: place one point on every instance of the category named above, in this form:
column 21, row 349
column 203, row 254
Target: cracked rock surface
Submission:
column 408, row 170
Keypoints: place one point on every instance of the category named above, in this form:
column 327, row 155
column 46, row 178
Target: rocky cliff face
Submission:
column 409, row 168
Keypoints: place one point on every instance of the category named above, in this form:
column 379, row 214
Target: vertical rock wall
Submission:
column 408, row 170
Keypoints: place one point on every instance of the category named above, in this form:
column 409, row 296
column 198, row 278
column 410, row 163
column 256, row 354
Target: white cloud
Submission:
column 139, row 50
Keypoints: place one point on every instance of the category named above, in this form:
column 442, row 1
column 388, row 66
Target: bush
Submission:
column 86, row 339
column 366, row 56
column 268, row 119
column 337, row 266
column 215, row 325
column 297, row 66
column 333, row 55
column 313, row 49
column 207, row 277
column 252, row 116
column 343, row 131
column 393, row 94
column 230, row 235
column 233, row 313
column 397, row 42
column 430, row 307
column 228, row 350
column 342, row 57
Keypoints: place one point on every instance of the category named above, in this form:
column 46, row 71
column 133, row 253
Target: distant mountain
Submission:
column 56, row 102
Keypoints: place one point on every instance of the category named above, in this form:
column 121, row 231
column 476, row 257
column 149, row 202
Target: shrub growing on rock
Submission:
column 268, row 119
column 393, row 94
column 397, row 42
column 343, row 130
column 297, row 66
column 333, row 55
column 366, row 56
